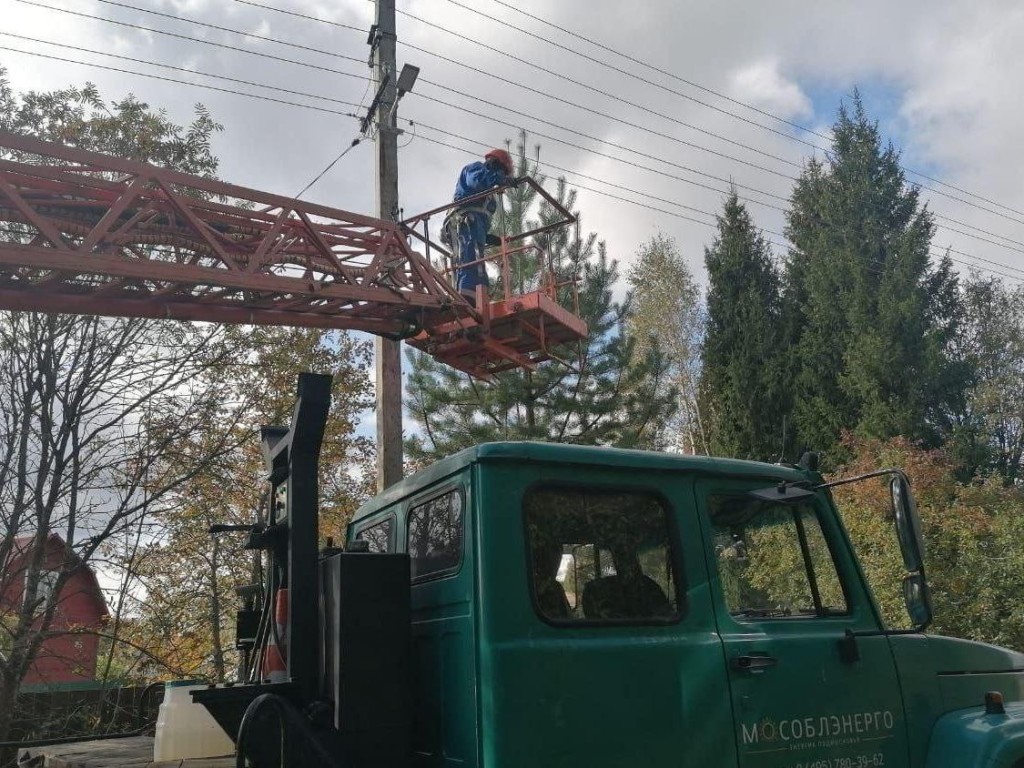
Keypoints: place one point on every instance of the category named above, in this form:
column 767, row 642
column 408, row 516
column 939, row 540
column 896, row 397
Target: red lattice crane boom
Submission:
column 86, row 233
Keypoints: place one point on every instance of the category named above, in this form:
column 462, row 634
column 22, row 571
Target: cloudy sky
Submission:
column 940, row 77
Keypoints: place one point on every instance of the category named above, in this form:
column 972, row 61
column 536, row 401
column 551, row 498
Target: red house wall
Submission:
column 64, row 658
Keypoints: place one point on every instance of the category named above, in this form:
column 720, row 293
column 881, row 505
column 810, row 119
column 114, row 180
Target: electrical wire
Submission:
column 661, row 71
column 94, row 17
column 523, row 86
column 738, row 102
column 937, row 249
column 471, row 96
column 319, row 97
column 348, row 103
column 654, row 84
column 305, row 16
column 208, row 25
column 191, row 39
column 330, row 165
column 638, row 106
column 606, row 65
column 259, row 97
column 348, row 74
column 330, row 111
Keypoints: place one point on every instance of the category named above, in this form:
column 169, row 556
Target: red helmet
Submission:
column 504, row 159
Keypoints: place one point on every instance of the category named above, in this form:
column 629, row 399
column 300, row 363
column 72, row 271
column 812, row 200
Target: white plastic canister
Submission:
column 185, row 729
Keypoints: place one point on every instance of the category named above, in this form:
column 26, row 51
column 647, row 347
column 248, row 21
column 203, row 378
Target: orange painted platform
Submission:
column 519, row 332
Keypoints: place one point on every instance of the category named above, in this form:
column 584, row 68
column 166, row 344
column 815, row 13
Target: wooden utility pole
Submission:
column 388, row 352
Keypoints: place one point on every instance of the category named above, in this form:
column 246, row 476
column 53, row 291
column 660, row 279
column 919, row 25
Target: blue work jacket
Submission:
column 476, row 178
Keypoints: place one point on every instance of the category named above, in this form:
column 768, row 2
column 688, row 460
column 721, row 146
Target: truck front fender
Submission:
column 969, row 738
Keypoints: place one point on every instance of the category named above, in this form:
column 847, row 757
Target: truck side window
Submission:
column 378, row 536
column 435, row 535
column 600, row 556
column 773, row 560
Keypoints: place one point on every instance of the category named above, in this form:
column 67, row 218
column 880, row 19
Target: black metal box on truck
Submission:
column 365, row 660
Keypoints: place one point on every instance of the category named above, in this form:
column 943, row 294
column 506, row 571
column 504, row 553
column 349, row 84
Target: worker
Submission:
column 472, row 221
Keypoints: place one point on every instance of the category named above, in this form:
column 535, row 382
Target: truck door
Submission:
column 786, row 590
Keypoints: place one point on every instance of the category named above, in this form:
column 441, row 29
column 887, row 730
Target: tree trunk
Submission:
column 8, row 694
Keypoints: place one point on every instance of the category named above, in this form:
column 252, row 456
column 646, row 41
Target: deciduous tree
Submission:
column 666, row 316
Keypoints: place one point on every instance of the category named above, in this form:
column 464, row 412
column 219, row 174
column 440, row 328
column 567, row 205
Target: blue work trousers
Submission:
column 472, row 240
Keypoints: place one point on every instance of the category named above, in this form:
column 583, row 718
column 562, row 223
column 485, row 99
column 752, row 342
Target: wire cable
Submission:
column 633, row 104
column 932, row 248
column 192, row 71
column 192, row 39
column 706, row 90
column 523, row 86
column 738, row 102
column 349, row 114
column 305, row 16
column 331, row 111
column 181, row 82
column 208, row 25
column 471, row 96
column 330, row 165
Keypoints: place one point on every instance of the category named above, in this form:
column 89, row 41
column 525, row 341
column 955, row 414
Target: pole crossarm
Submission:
column 87, row 233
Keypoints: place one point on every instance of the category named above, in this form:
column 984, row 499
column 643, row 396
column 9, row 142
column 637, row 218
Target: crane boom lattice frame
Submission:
column 87, row 233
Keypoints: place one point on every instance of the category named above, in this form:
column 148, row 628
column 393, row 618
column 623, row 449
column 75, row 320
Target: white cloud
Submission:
column 763, row 85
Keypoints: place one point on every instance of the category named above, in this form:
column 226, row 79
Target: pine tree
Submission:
column 741, row 386
column 871, row 319
column 611, row 395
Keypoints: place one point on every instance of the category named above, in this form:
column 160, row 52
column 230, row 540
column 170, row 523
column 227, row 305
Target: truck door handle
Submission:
column 754, row 662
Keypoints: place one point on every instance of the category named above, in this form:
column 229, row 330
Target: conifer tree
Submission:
column 871, row 319
column 610, row 395
column 741, row 384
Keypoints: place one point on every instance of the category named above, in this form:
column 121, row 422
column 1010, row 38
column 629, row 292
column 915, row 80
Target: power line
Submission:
column 660, row 160
column 499, row 121
column 305, row 16
column 591, row 178
column 553, row 124
column 192, row 71
column 347, row 103
column 330, row 165
column 443, row 87
column 348, row 74
column 633, row 104
column 536, row 91
column 661, row 71
column 191, row 39
column 181, row 82
column 708, row 90
column 208, row 25
column 612, row 67
column 935, row 248
column 331, row 111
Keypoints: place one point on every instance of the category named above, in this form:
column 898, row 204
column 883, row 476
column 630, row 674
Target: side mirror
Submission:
column 908, row 525
column 918, row 600
column 916, row 594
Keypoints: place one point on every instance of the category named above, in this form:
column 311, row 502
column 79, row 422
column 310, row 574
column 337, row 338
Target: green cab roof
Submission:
column 562, row 454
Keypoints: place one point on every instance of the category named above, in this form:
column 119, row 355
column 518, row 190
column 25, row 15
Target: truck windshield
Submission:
column 773, row 560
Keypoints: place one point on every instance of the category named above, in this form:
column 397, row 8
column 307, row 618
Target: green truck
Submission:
column 603, row 608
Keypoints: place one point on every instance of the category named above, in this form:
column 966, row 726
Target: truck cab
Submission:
column 578, row 606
